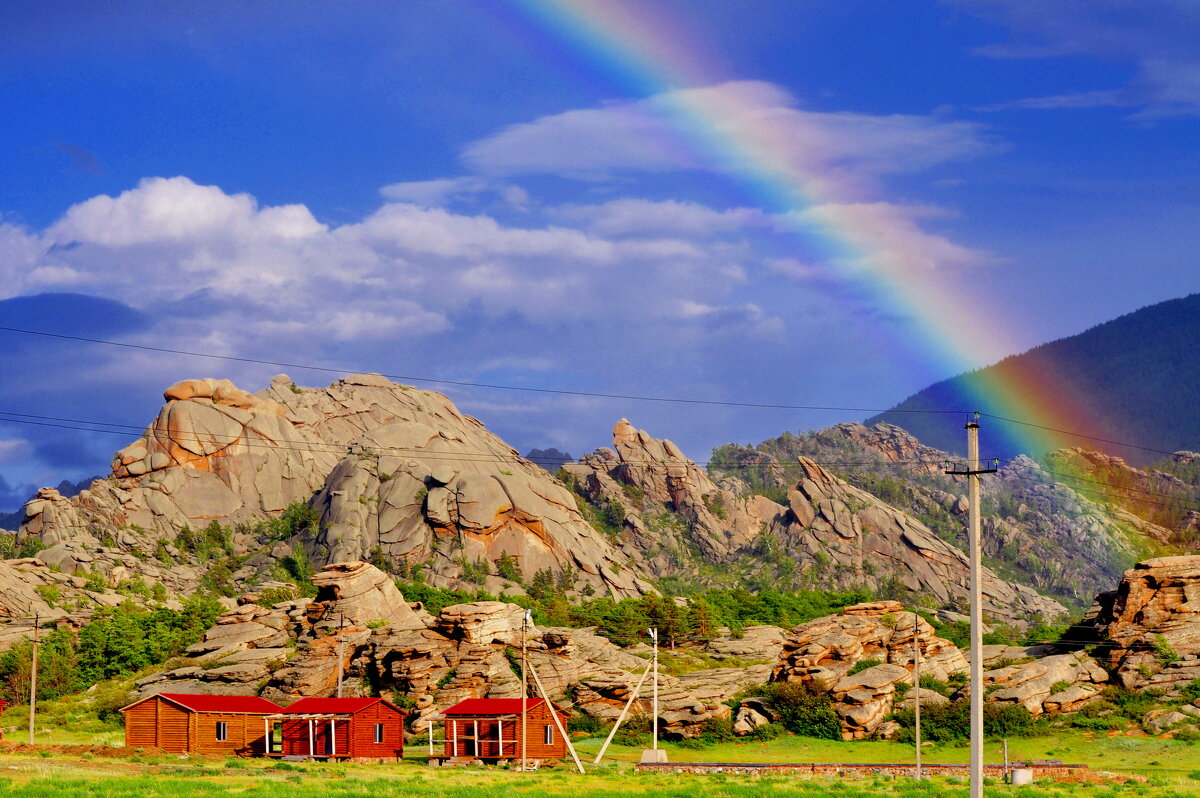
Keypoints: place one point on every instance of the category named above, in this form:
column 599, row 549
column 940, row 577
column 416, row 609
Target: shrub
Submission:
column 862, row 665
column 802, row 711
column 952, row 722
column 583, row 722
column 768, row 731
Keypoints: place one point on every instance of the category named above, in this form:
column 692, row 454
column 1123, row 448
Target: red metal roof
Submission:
column 249, row 704
column 491, row 706
column 3, row 704
column 331, row 706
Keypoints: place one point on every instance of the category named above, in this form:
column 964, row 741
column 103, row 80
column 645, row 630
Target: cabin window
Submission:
column 222, row 731
column 548, row 735
column 378, row 732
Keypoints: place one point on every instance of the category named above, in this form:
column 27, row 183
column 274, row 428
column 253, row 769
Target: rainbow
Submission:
column 649, row 56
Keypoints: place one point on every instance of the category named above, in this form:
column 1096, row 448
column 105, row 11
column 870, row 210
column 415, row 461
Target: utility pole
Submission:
column 976, row 613
column 917, row 686
column 341, row 652
column 525, row 686
column 33, row 666
column 655, row 754
column 654, row 636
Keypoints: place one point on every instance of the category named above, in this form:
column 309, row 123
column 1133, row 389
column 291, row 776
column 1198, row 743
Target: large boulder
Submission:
column 1152, row 623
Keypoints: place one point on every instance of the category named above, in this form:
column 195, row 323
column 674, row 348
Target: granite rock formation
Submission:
column 400, row 476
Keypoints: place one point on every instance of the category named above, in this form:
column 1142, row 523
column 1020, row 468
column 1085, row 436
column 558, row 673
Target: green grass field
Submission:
column 1140, row 766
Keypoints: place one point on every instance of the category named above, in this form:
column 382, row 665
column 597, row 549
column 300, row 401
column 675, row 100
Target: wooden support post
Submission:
column 332, row 738
column 478, row 747
column 557, row 722
column 454, row 738
column 266, row 737
column 632, row 697
column 430, row 739
column 311, row 739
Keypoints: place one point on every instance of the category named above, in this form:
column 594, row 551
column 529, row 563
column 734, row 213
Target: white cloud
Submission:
column 842, row 153
column 176, row 209
column 14, row 450
column 1157, row 38
column 668, row 217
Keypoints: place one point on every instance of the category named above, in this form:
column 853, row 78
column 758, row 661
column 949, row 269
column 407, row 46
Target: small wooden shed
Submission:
column 490, row 729
column 337, row 728
column 3, row 704
column 191, row 723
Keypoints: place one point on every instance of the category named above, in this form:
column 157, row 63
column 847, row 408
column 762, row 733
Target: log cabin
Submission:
column 336, row 728
column 208, row 724
column 490, row 729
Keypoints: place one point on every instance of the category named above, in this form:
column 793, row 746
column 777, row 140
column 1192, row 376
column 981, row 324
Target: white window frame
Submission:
column 548, row 735
column 222, row 731
column 378, row 733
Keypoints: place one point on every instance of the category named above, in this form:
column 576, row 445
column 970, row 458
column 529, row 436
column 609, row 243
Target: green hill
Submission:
column 1139, row 373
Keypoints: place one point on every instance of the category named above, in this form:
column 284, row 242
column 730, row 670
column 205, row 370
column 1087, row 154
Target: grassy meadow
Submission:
column 1123, row 766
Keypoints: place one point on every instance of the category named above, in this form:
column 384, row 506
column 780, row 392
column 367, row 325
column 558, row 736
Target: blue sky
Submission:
column 453, row 190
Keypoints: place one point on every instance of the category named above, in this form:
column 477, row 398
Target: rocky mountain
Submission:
column 230, row 490
column 1068, row 524
column 1139, row 375
column 393, row 474
column 669, row 514
column 861, row 658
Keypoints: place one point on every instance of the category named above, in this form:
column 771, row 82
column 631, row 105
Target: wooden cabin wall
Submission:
column 158, row 723
column 362, row 732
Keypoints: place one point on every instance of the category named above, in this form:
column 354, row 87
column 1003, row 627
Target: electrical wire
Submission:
column 469, row 384
column 589, row 394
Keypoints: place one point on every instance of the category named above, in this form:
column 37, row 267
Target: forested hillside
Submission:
column 1139, row 374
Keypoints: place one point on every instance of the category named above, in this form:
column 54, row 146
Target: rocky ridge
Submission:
column 1062, row 535
column 399, row 476
column 678, row 520
column 390, row 647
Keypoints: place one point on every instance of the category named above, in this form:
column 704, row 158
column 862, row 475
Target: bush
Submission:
column 589, row 724
column 802, row 711
column 717, row 730
column 768, row 731
column 952, row 722
column 862, row 665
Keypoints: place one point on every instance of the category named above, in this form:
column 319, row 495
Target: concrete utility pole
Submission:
column 976, row 613
column 525, row 685
column 917, row 686
column 33, row 666
column 654, row 754
column 654, row 635
column 341, row 640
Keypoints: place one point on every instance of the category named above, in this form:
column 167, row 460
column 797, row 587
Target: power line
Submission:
column 589, row 394
column 469, row 384
column 1073, row 434
column 342, row 450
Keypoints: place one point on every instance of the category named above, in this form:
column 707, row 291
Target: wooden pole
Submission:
column 632, row 697
column 33, row 669
column 557, row 722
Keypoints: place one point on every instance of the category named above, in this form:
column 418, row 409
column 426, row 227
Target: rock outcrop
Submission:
column 1152, row 624
column 830, row 533
column 388, row 646
column 400, row 476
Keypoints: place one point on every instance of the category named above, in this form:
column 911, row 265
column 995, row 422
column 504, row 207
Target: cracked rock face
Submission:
column 832, row 534
column 398, row 475
column 1152, row 621
column 468, row 651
